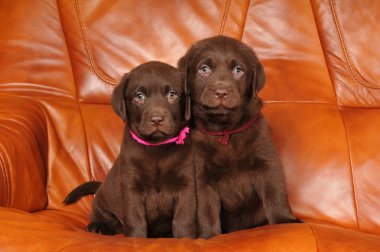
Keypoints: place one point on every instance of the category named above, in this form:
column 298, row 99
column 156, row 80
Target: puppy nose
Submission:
column 157, row 120
column 221, row 93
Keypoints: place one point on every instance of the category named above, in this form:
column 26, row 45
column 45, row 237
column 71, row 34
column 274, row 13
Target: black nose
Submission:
column 157, row 119
column 221, row 93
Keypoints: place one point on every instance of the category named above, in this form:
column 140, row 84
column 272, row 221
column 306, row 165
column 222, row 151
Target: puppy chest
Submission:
column 235, row 167
column 237, row 192
column 233, row 177
column 159, row 206
column 159, row 181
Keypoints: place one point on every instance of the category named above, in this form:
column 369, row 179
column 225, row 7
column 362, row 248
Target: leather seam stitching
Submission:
column 68, row 51
column 91, row 172
column 99, row 74
column 318, row 28
column 93, row 64
column 361, row 81
column 315, row 237
column 245, row 20
column 352, row 171
column 224, row 18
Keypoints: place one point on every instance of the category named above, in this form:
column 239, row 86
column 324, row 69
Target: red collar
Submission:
column 225, row 135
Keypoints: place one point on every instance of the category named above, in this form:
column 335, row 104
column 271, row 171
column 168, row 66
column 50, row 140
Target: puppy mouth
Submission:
column 217, row 111
column 219, row 106
column 157, row 133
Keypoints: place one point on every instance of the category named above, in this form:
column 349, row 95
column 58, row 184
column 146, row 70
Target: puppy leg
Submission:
column 208, row 212
column 184, row 220
column 103, row 222
column 270, row 186
column 134, row 214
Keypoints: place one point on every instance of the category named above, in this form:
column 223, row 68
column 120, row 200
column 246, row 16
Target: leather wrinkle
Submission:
column 44, row 156
column 6, row 179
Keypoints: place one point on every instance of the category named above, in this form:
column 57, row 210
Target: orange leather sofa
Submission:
column 60, row 60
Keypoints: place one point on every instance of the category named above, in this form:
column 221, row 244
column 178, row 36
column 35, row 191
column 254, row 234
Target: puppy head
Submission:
column 152, row 101
column 222, row 75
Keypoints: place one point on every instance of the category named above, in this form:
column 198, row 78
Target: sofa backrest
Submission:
column 322, row 93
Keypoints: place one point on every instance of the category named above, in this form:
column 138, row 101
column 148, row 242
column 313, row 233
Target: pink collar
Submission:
column 178, row 139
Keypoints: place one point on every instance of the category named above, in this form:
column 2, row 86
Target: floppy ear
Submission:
column 118, row 98
column 187, row 101
column 183, row 67
column 258, row 79
column 182, row 64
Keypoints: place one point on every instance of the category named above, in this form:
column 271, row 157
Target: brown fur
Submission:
column 150, row 190
column 239, row 185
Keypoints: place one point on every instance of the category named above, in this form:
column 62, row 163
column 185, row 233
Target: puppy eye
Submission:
column 205, row 70
column 140, row 97
column 238, row 71
column 172, row 95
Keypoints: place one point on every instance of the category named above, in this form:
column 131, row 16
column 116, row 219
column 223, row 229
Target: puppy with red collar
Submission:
column 239, row 175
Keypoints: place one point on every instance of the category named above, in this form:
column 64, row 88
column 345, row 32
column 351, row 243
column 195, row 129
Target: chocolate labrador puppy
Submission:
column 239, row 177
column 150, row 190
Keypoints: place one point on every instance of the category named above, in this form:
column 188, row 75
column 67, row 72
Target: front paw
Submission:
column 135, row 232
column 101, row 228
column 185, row 232
column 296, row 220
column 209, row 232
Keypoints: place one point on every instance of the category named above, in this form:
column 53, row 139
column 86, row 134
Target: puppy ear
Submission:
column 187, row 100
column 258, row 78
column 183, row 67
column 118, row 98
column 182, row 64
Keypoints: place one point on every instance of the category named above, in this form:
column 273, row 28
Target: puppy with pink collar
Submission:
column 150, row 190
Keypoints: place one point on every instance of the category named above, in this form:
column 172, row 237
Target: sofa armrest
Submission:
column 23, row 154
